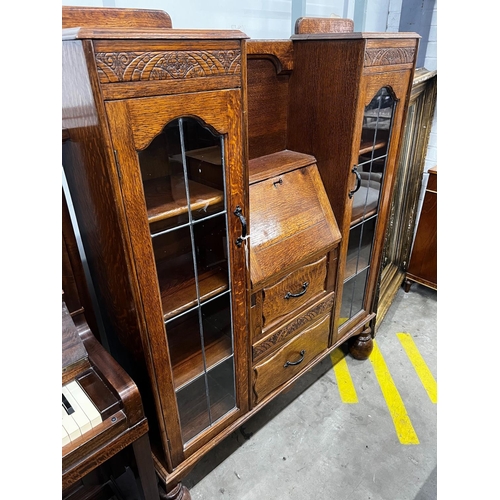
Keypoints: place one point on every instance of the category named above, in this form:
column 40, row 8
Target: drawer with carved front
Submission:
column 292, row 327
column 288, row 300
column 292, row 358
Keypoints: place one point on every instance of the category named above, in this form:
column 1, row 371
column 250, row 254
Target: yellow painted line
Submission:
column 404, row 428
column 423, row 372
column 342, row 321
column 344, row 381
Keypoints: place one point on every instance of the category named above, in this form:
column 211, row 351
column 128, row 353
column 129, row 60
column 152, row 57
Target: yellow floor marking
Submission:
column 423, row 372
column 344, row 381
column 400, row 418
column 342, row 321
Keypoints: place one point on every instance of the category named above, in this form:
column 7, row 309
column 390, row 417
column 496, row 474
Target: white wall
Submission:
column 268, row 19
column 431, row 64
column 393, row 15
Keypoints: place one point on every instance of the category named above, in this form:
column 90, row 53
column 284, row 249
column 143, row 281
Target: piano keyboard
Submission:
column 79, row 414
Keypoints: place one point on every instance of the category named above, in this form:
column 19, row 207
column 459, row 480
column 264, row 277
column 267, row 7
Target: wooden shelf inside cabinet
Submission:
column 166, row 197
column 364, row 216
column 368, row 146
column 354, row 266
column 186, row 351
column 182, row 296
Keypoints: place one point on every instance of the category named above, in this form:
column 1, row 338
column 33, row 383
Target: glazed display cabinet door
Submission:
column 178, row 178
column 369, row 171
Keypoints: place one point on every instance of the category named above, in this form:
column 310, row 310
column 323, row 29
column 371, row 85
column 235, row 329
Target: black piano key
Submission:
column 67, row 406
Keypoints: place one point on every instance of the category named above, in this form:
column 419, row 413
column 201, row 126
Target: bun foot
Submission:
column 361, row 346
column 179, row 492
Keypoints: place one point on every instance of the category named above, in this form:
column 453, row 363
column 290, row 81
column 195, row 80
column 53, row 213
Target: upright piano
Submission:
column 102, row 411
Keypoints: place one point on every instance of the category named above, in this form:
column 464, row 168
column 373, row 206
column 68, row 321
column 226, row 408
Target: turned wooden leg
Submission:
column 179, row 492
column 361, row 346
column 145, row 466
column 408, row 284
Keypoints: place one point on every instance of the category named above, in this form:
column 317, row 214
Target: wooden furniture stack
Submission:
column 214, row 183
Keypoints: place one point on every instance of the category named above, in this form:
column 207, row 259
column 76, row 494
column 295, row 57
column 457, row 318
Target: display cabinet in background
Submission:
column 405, row 199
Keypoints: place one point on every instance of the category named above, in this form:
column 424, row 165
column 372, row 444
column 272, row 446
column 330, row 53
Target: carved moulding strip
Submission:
column 116, row 67
column 292, row 328
column 388, row 56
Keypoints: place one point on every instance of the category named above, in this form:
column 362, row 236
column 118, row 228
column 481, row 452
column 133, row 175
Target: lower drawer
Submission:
column 292, row 358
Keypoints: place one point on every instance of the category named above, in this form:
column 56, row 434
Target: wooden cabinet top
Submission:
column 149, row 34
column 355, row 36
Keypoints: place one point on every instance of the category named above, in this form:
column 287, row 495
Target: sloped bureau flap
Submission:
column 291, row 219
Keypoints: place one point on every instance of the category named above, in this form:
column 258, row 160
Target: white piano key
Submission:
column 85, row 403
column 79, row 415
column 65, row 436
column 70, row 425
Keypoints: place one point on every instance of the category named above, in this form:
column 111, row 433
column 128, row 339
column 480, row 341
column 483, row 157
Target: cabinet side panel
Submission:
column 86, row 161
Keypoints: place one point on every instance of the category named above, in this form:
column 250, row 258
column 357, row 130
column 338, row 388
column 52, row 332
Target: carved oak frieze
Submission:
column 116, row 67
column 292, row 328
column 388, row 56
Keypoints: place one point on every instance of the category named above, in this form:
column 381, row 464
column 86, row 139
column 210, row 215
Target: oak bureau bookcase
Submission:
column 224, row 189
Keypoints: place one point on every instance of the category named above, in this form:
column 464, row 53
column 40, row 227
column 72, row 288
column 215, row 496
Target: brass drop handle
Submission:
column 358, row 182
column 239, row 214
column 293, row 295
column 293, row 363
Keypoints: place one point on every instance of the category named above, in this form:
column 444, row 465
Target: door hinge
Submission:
column 117, row 164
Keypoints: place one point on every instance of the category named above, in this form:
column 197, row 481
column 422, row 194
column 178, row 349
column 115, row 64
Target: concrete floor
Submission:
column 308, row 443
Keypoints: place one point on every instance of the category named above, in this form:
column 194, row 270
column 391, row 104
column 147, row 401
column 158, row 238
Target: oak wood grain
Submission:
column 267, row 108
column 276, row 301
column 74, row 16
column 287, row 228
column 272, row 372
column 323, row 25
column 276, row 337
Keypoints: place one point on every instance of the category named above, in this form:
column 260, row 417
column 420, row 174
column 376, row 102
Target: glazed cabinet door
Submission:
column 369, row 171
column 182, row 180
column 376, row 147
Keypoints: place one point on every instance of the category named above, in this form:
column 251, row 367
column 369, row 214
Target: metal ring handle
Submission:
column 304, row 290
column 239, row 214
column 358, row 182
column 293, row 363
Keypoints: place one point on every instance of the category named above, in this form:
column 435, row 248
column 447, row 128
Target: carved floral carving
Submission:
column 389, row 56
column 290, row 329
column 116, row 67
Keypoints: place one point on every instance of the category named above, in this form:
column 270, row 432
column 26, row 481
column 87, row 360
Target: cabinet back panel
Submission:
column 267, row 108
